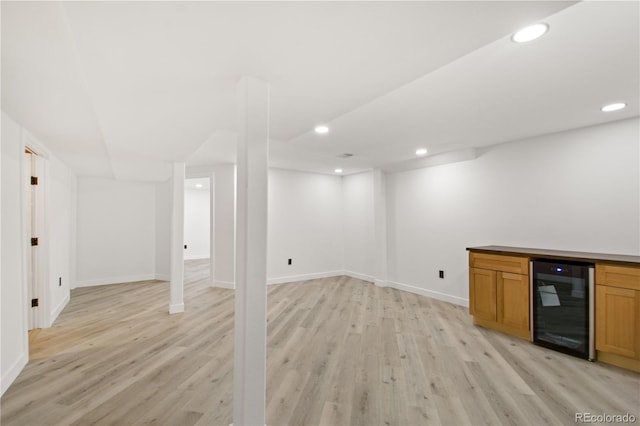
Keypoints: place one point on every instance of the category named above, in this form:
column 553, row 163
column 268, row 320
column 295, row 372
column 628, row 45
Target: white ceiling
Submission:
column 121, row 89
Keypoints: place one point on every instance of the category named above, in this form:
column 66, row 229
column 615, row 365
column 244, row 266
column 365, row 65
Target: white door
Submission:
column 30, row 176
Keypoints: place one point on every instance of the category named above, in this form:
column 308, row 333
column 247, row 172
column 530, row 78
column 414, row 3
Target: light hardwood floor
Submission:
column 340, row 352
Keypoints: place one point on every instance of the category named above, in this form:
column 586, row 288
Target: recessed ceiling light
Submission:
column 613, row 107
column 530, row 33
column 421, row 151
column 338, row 170
column 198, row 185
column 321, row 130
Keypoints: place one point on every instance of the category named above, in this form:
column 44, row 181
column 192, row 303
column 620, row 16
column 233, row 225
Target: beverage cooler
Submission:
column 562, row 308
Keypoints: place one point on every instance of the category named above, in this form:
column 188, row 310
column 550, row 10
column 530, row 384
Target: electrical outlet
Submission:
column 289, row 262
column 441, row 274
column 185, row 246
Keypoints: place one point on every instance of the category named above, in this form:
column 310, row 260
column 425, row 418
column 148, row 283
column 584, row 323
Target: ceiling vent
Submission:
column 345, row 155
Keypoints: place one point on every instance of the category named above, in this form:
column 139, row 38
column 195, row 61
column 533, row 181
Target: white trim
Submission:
column 196, row 257
column 429, row 293
column 13, row 372
column 115, row 280
column 381, row 283
column 363, row 277
column 224, row 284
column 59, row 309
column 304, row 277
column 34, row 144
column 25, row 218
column 176, row 309
column 399, row 286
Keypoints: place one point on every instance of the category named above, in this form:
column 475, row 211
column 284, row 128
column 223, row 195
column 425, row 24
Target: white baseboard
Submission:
column 360, row 276
column 381, row 283
column 176, row 309
column 163, row 277
column 283, row 280
column 59, row 308
column 11, row 374
column 224, row 284
column 304, row 277
column 197, row 257
column 429, row 293
column 116, row 280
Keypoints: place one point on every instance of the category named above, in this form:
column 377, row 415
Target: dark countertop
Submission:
column 559, row 254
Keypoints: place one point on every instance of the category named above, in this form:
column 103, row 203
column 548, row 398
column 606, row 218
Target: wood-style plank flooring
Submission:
column 340, row 352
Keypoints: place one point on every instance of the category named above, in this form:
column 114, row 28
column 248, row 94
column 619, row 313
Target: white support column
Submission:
column 176, row 297
column 212, row 228
column 249, row 368
column 380, row 226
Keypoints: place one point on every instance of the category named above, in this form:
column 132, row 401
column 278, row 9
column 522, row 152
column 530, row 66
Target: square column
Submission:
column 212, row 228
column 380, row 227
column 249, row 368
column 176, row 288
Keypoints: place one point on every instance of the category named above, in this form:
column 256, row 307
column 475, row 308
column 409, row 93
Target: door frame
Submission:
column 31, row 258
column 36, row 267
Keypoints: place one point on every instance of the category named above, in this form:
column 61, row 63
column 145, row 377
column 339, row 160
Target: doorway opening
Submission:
column 197, row 228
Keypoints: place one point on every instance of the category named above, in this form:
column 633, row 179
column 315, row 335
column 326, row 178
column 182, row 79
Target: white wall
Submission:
column 57, row 241
column 13, row 297
column 304, row 224
column 576, row 190
column 358, row 219
column 116, row 231
column 163, row 231
column 196, row 223
column 61, row 215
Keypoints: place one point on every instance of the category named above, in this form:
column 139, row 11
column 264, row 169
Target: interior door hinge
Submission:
column 34, row 241
column 34, row 302
column 34, row 180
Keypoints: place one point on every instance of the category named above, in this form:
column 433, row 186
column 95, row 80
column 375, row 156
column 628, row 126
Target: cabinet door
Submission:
column 617, row 320
column 482, row 293
column 513, row 300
